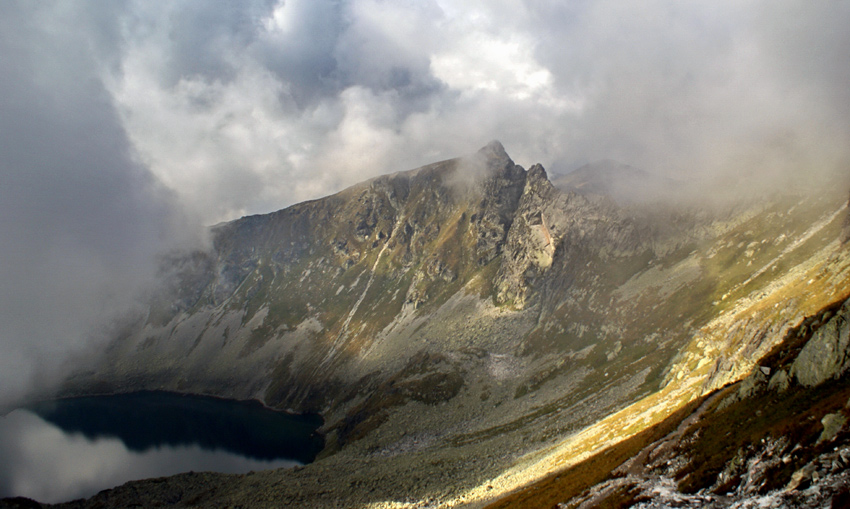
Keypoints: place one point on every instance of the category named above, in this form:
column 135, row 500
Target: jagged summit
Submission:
column 494, row 149
column 537, row 172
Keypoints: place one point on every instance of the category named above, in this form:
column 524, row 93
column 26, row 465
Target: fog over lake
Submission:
column 52, row 463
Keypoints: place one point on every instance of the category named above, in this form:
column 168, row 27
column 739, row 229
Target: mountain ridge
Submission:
column 468, row 324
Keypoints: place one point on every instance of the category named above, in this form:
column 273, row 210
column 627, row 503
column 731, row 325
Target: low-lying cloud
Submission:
column 44, row 463
column 81, row 220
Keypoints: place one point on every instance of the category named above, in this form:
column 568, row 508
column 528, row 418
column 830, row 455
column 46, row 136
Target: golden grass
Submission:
column 571, row 481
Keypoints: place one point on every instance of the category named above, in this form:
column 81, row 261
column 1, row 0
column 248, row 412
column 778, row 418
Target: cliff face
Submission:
column 471, row 309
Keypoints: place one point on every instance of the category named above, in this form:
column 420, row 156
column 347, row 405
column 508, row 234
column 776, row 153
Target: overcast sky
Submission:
column 125, row 125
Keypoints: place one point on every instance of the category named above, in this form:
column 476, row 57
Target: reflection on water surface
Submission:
column 66, row 449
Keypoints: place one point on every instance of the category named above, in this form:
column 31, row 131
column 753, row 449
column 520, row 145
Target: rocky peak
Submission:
column 494, row 151
column 537, row 172
column 470, row 305
column 537, row 181
column 501, row 189
column 845, row 236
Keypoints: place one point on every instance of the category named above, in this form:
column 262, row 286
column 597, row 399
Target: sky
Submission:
column 127, row 127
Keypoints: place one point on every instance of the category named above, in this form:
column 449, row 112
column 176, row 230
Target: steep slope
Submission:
column 778, row 438
column 467, row 327
column 333, row 305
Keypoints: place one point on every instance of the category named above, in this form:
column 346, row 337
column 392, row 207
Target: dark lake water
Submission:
column 65, row 449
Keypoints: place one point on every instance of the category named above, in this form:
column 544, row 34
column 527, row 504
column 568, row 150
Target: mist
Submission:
column 303, row 98
column 82, row 219
column 54, row 466
column 126, row 127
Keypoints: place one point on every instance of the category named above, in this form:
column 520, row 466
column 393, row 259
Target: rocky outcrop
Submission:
column 827, row 354
column 531, row 243
column 752, row 444
column 551, row 224
column 500, row 194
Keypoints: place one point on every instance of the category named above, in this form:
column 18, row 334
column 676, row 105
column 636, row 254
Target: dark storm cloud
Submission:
column 80, row 220
column 195, row 37
column 256, row 109
column 299, row 48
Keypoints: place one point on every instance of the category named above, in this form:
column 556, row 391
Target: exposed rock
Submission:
column 566, row 229
column 779, row 382
column 832, row 424
column 755, row 383
column 496, row 212
column 449, row 320
column 531, row 244
column 801, row 478
column 827, row 354
column 752, row 385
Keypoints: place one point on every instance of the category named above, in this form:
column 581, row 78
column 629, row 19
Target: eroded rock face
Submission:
column 531, row 244
column 554, row 227
column 752, row 444
column 827, row 354
column 499, row 198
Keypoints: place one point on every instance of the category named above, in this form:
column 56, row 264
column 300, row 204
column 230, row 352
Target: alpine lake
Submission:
column 65, row 449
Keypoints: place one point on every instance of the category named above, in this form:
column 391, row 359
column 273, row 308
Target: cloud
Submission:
column 45, row 463
column 263, row 105
column 80, row 220
column 700, row 87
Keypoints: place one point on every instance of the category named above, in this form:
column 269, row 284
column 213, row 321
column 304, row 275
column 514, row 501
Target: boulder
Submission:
column 827, row 353
column 801, row 478
column 779, row 382
column 832, row 424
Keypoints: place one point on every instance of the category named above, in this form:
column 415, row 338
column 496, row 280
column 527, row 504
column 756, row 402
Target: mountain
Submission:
column 467, row 328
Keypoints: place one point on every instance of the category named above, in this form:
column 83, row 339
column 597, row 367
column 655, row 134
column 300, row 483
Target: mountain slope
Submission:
column 793, row 450
column 466, row 327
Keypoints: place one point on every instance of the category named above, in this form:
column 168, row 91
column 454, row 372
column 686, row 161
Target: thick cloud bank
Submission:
column 80, row 219
column 245, row 109
column 120, row 119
